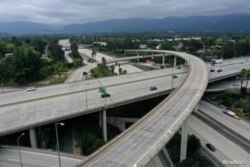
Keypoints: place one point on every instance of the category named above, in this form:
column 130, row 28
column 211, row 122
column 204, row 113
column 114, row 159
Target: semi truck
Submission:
column 216, row 61
column 231, row 114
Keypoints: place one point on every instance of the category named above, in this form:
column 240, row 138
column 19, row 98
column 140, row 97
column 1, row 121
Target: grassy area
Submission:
column 100, row 71
column 144, row 68
column 194, row 157
column 238, row 104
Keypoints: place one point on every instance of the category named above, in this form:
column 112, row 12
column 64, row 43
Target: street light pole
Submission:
column 86, row 95
column 57, row 142
column 2, row 85
column 21, row 135
column 104, row 121
column 172, row 84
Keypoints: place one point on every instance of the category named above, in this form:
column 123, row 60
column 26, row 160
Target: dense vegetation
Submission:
column 20, row 62
column 91, row 143
column 237, row 103
column 194, row 157
column 21, row 59
column 205, row 46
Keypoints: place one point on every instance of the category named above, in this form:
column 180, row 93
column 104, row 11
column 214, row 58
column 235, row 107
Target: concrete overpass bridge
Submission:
column 37, row 101
column 54, row 103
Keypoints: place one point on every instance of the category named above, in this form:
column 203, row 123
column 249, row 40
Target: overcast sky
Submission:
column 82, row 11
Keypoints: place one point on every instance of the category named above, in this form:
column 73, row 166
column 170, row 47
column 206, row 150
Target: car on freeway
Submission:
column 30, row 89
column 153, row 88
column 105, row 95
column 212, row 70
column 179, row 67
column 175, row 76
column 220, row 70
column 210, row 147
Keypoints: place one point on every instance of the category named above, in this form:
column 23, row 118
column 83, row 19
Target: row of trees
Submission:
column 55, row 51
column 23, row 63
column 21, row 67
column 244, row 75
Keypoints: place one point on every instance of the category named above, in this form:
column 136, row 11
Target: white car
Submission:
column 31, row 89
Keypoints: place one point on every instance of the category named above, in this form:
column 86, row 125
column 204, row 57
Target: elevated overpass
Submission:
column 69, row 89
column 22, row 110
column 9, row 157
column 137, row 145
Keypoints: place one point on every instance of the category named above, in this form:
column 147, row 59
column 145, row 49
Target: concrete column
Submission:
column 33, row 141
column 174, row 61
column 163, row 60
column 196, row 109
column 39, row 134
column 165, row 152
column 184, row 138
column 104, row 125
column 138, row 56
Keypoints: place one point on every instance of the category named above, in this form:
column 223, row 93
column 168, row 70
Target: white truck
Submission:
column 216, row 61
column 231, row 114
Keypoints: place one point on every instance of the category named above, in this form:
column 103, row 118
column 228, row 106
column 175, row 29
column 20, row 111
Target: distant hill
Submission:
column 4, row 35
column 227, row 23
column 23, row 28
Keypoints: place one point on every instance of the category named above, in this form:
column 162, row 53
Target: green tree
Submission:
column 248, row 77
column 104, row 61
column 93, row 54
column 3, row 48
column 243, row 73
column 56, row 51
column 112, row 69
column 39, row 45
column 91, row 143
column 120, row 70
column 25, row 65
column 74, row 46
column 193, row 145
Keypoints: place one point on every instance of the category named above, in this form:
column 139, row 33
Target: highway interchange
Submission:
column 117, row 86
column 47, row 102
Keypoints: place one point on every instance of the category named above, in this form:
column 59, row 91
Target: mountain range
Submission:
column 239, row 23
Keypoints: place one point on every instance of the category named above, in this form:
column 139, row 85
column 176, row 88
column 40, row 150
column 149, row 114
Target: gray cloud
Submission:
column 82, row 11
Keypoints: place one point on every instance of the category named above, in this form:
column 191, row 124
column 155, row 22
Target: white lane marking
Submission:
column 15, row 160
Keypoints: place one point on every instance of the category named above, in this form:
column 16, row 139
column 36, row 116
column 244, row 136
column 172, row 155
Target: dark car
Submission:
column 105, row 95
column 179, row 67
column 175, row 76
column 220, row 70
column 153, row 88
column 210, row 147
column 212, row 70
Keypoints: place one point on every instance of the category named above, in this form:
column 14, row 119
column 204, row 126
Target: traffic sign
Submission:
column 102, row 90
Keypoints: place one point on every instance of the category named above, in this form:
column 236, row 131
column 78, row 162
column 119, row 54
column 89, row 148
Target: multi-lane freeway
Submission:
column 48, row 107
column 226, row 150
column 137, row 145
column 9, row 157
column 53, row 103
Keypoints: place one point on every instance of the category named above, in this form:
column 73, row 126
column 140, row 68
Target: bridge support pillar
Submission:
column 174, row 61
column 33, row 141
column 184, row 137
column 163, row 60
column 104, row 125
column 196, row 109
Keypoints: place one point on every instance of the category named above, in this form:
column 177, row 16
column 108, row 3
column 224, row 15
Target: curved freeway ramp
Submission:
column 137, row 145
